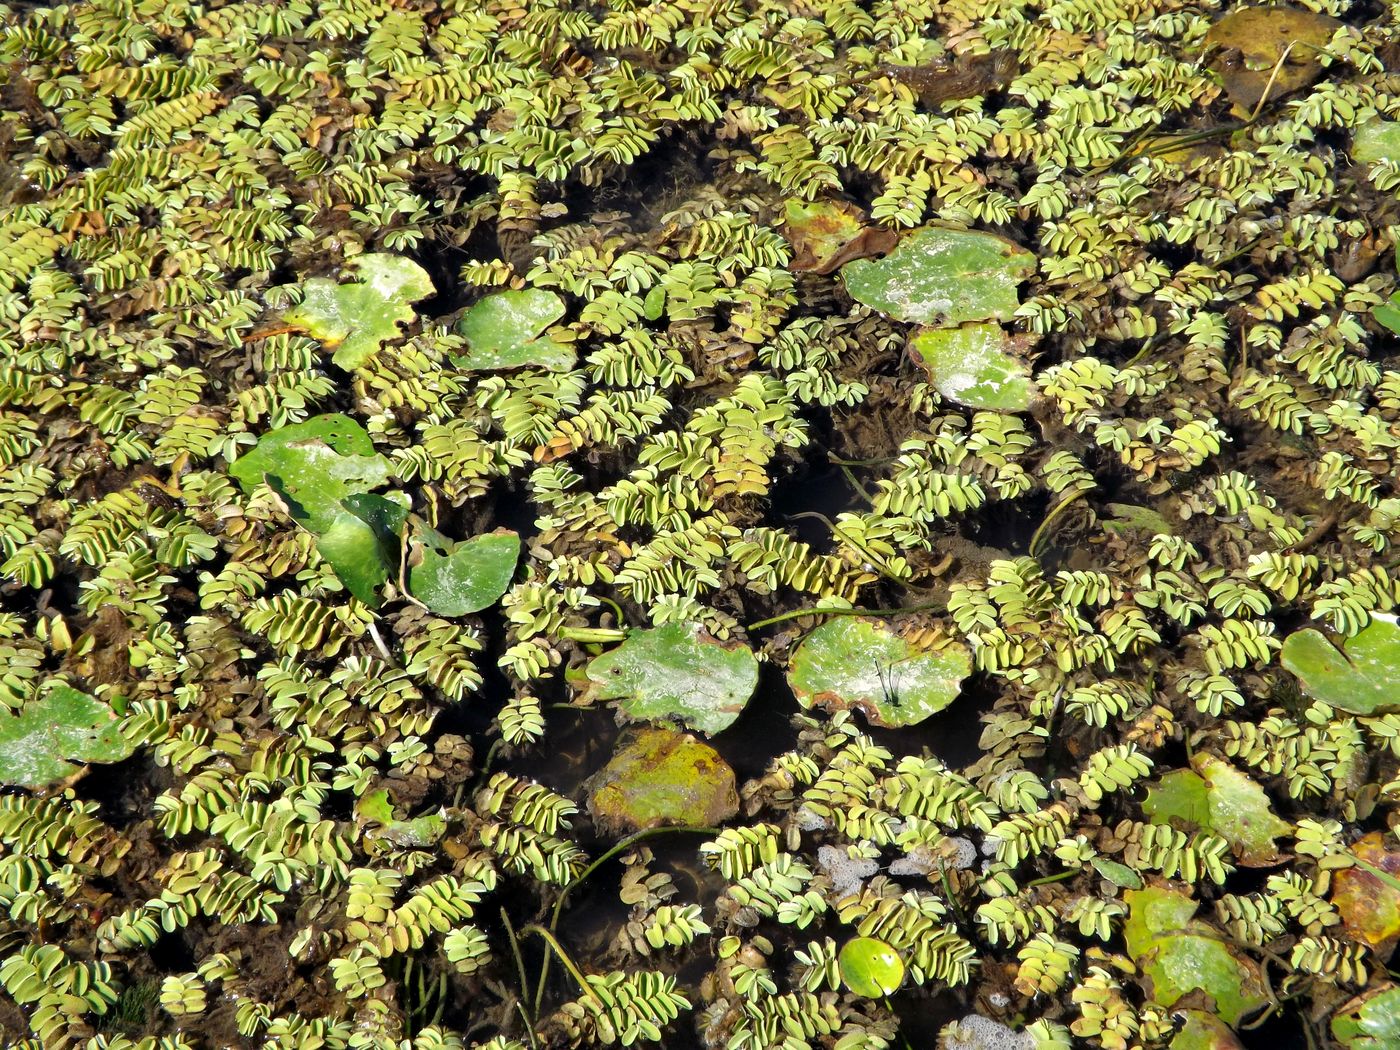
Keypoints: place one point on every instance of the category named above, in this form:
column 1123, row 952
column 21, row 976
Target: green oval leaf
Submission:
column 676, row 672
column 974, row 366
column 853, row 662
column 939, row 276
column 457, row 579
column 1214, row 796
column 358, row 317
column 1376, row 140
column 54, row 734
column 870, row 967
column 1179, row 954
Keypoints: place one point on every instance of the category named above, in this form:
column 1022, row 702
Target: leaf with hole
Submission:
column 505, row 330
column 676, row 672
column 357, row 317
column 1359, row 677
column 457, row 579
column 940, row 276
column 853, row 662
column 55, row 734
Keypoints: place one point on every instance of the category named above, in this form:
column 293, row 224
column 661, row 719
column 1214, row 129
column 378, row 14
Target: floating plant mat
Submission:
column 394, row 396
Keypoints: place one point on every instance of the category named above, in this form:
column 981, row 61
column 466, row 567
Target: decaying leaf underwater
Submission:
column 395, row 396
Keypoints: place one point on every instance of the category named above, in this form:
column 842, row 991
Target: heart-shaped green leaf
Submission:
column 939, row 276
column 316, row 464
column 54, row 734
column 358, row 317
column 676, row 672
column 853, row 662
column 457, row 579
column 1360, row 677
column 504, row 331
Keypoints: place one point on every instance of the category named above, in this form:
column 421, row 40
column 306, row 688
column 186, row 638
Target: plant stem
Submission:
column 592, row 634
column 1046, row 880
column 564, row 958
column 621, row 847
column 1055, row 512
column 520, row 970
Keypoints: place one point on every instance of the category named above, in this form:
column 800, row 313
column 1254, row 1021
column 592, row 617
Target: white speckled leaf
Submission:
column 938, row 276
column 851, row 662
column 677, row 671
column 972, row 365
column 357, row 318
column 53, row 735
column 1360, row 677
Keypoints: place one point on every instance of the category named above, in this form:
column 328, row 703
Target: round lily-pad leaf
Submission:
column 1268, row 48
column 661, row 777
column 975, row 365
column 1204, row 1031
column 1370, row 1021
column 853, row 662
column 55, row 734
column 870, row 967
column 676, row 672
column 940, row 276
column 456, row 579
column 1360, row 677
column 504, row 331
column 358, row 317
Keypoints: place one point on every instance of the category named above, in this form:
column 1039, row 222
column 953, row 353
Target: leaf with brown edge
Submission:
column 827, row 234
column 1369, row 900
